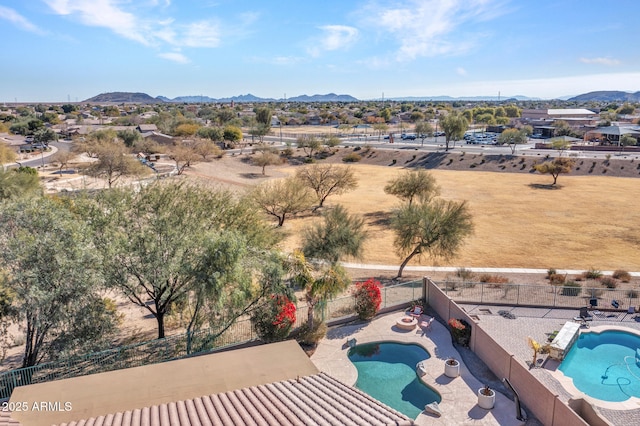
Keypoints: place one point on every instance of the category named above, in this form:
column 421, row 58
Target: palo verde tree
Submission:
column 424, row 130
column 158, row 243
column 114, row 162
column 453, row 125
column 512, row 138
column 436, row 228
column 415, row 184
column 51, row 267
column 555, row 167
column 265, row 156
column 19, row 182
column 327, row 179
column 316, row 267
column 282, row 198
column 309, row 144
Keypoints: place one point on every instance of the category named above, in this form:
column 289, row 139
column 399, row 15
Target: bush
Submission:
column 464, row 274
column 307, row 336
column 496, row 280
column 550, row 272
column 621, row 275
column 274, row 319
column 592, row 274
column 609, row 282
column 367, row 298
column 557, row 279
column 351, row 158
column 632, row 294
column 571, row 288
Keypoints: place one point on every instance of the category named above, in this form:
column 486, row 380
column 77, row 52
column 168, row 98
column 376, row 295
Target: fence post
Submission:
column 555, row 295
column 481, row 292
column 518, row 295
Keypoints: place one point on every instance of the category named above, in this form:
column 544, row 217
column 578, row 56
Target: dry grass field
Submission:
column 520, row 222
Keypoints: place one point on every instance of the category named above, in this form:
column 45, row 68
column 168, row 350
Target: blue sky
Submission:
column 59, row 50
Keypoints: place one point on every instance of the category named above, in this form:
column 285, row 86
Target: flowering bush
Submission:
column 367, row 298
column 456, row 323
column 274, row 319
column 460, row 331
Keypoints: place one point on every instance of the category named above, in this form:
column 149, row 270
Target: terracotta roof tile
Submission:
column 312, row 400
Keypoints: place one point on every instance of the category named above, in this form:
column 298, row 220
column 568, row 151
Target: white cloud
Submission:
column 334, row 37
column 461, row 71
column 201, row 34
column 600, row 61
column 425, row 27
column 19, row 20
column 102, row 13
column 175, row 57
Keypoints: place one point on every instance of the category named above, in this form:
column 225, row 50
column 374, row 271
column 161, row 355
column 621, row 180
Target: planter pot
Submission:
column 486, row 401
column 452, row 370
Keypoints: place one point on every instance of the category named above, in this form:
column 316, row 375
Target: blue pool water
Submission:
column 605, row 365
column 387, row 372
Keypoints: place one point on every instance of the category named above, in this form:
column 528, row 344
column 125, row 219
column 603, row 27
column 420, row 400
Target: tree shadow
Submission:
column 253, row 175
column 544, row 186
column 380, row 218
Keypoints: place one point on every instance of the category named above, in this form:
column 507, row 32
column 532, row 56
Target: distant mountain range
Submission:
column 143, row 98
column 465, row 98
column 608, row 96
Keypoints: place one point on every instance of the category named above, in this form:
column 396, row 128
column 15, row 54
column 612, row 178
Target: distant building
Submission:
column 147, row 128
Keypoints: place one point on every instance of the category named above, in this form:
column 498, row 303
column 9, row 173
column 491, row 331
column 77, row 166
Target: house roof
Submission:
column 147, row 127
column 615, row 130
column 273, row 384
column 570, row 111
column 312, row 400
column 128, row 389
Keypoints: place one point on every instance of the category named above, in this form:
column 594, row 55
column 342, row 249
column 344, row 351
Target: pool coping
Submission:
column 632, row 403
column 459, row 395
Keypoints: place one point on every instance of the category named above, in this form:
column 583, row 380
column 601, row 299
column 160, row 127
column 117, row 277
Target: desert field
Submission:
column 520, row 221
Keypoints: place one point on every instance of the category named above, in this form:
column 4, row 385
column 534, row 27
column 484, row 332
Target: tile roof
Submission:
column 311, row 400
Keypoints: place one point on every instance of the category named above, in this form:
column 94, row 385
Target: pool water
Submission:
column 387, row 372
column 605, row 365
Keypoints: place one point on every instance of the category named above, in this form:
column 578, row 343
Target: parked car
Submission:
column 409, row 137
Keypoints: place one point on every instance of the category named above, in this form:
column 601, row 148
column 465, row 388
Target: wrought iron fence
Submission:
column 538, row 295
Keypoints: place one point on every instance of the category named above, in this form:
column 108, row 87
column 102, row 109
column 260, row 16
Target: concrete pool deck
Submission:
column 459, row 395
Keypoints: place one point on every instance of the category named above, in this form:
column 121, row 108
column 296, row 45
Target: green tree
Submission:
column 7, row 155
column 424, row 130
column 51, row 266
column 555, row 167
column 44, row 136
column 512, row 138
column 627, row 140
column 562, row 128
column 114, row 162
column 130, row 137
column 414, row 184
column 161, row 243
column 340, row 234
column 309, row 144
column 380, row 128
column 213, row 133
column 232, row 134
column 327, row 179
column 265, row 156
column 512, row 111
column 283, row 197
column 560, row 145
column 15, row 183
column 435, row 228
column 453, row 126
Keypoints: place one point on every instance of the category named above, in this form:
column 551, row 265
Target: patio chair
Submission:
column 416, row 312
column 615, row 304
column 583, row 316
column 426, row 325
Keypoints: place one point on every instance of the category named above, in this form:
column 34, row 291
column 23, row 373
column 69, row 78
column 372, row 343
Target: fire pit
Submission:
column 406, row 323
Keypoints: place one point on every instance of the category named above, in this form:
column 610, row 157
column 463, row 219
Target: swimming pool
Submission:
column 387, row 372
column 605, row 365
